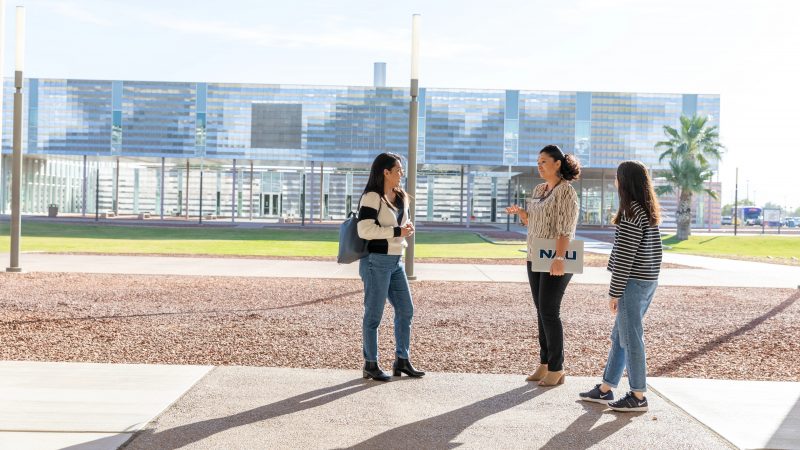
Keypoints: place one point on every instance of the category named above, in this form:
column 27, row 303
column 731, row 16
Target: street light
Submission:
column 16, row 158
column 413, row 112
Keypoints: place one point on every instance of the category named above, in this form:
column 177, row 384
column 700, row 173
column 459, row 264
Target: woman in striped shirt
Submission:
column 552, row 213
column 634, row 264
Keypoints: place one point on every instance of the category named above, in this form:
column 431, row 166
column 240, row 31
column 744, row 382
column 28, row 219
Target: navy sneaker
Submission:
column 597, row 396
column 629, row 403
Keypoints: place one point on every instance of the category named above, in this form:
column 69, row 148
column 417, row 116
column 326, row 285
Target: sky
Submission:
column 745, row 51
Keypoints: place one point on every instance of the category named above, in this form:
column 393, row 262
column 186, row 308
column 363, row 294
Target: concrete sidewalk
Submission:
column 716, row 272
column 244, row 407
column 101, row 406
column 703, row 262
column 50, row 405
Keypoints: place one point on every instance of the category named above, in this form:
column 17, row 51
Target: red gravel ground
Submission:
column 459, row 327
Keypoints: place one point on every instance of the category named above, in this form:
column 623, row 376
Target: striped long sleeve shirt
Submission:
column 636, row 253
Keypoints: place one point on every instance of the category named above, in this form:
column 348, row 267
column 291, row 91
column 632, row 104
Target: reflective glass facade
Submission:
column 129, row 129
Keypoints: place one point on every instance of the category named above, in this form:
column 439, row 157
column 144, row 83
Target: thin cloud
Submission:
column 386, row 40
column 72, row 11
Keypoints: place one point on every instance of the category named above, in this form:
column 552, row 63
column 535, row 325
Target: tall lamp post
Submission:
column 736, row 205
column 413, row 112
column 2, row 61
column 16, row 159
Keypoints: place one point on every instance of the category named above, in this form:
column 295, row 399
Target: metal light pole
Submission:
column 2, row 59
column 736, row 205
column 16, row 159
column 116, row 190
column 708, row 207
column 233, row 193
column 747, row 195
column 85, row 185
column 163, row 194
column 508, row 216
column 303, row 201
column 413, row 112
column 97, row 191
column 202, row 163
column 251, row 189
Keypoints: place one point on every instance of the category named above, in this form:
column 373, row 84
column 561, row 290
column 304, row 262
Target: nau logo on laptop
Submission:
column 544, row 250
column 550, row 254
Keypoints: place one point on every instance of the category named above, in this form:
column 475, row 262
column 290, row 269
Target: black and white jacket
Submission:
column 636, row 253
column 379, row 225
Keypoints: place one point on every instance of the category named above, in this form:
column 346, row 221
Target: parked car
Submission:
column 791, row 222
column 727, row 220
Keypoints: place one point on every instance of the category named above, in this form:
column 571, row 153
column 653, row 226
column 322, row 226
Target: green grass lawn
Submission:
column 64, row 238
column 783, row 247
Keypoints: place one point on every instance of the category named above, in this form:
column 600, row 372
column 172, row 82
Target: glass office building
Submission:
column 245, row 151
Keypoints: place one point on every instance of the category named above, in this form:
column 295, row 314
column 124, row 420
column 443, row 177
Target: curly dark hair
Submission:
column 570, row 166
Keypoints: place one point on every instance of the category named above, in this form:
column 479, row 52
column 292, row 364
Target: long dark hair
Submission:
column 634, row 184
column 570, row 166
column 384, row 161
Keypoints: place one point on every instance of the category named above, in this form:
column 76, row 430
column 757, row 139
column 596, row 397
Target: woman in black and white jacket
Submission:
column 383, row 221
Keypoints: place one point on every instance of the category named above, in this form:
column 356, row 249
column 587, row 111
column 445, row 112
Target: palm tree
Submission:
column 690, row 151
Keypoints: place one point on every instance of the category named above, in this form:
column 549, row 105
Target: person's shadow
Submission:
column 439, row 431
column 180, row 436
column 580, row 434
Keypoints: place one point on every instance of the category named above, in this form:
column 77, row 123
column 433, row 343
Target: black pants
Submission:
column 547, row 293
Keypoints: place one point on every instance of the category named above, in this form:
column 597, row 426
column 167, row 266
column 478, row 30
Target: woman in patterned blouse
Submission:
column 551, row 213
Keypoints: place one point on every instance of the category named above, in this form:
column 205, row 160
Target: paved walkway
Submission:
column 714, row 272
column 48, row 405
column 100, row 406
column 749, row 414
column 703, row 262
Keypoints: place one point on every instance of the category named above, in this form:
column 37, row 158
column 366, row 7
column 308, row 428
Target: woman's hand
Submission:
column 407, row 230
column 613, row 305
column 557, row 268
column 523, row 215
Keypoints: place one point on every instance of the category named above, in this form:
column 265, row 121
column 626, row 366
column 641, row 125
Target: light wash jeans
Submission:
column 627, row 337
column 384, row 277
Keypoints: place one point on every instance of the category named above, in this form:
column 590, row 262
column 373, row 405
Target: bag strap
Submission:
column 358, row 208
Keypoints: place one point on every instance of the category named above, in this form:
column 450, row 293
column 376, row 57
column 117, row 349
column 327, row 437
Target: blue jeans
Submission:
column 384, row 277
column 627, row 336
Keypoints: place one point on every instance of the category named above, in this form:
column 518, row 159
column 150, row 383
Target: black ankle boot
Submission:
column 404, row 366
column 372, row 370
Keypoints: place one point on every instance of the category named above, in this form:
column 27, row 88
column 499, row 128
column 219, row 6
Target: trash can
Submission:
column 52, row 210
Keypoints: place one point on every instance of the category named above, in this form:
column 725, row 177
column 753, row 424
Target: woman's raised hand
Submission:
column 523, row 215
column 513, row 209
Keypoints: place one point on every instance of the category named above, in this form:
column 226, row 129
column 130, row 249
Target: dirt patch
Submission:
column 458, row 327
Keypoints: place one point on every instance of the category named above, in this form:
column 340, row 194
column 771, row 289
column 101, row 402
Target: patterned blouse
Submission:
column 552, row 214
